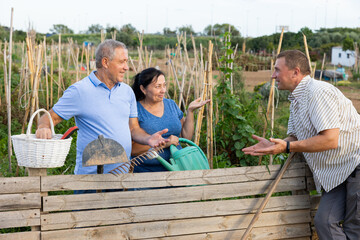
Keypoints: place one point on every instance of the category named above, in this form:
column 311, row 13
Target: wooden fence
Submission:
column 204, row 204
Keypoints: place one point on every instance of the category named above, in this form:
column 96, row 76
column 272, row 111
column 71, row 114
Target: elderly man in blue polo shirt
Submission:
column 102, row 105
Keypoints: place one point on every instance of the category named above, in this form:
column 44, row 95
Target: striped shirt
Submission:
column 317, row 106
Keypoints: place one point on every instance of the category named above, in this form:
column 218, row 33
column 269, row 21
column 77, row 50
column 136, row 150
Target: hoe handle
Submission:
column 267, row 198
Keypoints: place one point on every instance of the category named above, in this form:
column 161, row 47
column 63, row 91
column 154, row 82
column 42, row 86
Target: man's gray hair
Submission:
column 107, row 49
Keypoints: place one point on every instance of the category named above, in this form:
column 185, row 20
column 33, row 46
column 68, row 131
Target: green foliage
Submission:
column 188, row 29
column 235, row 127
column 94, row 28
column 61, row 28
column 220, row 29
column 348, row 44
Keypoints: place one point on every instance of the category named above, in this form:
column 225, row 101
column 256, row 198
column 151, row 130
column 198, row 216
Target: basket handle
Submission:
column 28, row 131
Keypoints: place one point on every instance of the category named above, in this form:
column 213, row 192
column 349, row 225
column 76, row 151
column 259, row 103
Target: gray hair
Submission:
column 107, row 49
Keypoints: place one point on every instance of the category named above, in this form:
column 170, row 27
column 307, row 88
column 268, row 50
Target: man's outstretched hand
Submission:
column 265, row 147
column 156, row 140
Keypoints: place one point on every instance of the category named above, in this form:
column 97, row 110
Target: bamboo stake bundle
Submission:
column 177, row 81
column 322, row 66
column 30, row 60
column 270, row 101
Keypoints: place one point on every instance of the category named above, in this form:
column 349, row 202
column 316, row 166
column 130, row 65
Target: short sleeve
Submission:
column 179, row 113
column 133, row 106
column 69, row 104
column 324, row 110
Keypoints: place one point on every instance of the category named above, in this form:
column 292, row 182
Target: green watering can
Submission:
column 189, row 158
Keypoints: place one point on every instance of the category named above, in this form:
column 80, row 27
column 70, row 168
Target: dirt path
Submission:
column 254, row 78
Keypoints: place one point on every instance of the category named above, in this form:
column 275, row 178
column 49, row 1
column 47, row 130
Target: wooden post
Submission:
column 9, row 91
column 38, row 172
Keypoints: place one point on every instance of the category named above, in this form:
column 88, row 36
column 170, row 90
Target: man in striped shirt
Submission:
column 325, row 127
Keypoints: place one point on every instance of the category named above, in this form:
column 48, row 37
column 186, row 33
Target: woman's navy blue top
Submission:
column 152, row 124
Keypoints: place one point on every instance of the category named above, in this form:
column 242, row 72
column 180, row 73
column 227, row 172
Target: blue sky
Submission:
column 252, row 17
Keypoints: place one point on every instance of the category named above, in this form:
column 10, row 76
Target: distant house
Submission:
column 345, row 58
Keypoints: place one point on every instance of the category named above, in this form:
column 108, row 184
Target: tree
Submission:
column 188, row 29
column 94, row 28
column 219, row 29
column 61, row 28
column 168, row 31
column 110, row 29
column 129, row 29
column 348, row 44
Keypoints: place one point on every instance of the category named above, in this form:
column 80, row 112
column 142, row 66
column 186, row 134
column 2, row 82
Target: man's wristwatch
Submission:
column 287, row 147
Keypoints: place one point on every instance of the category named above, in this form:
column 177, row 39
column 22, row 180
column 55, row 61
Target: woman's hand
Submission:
column 197, row 103
column 173, row 140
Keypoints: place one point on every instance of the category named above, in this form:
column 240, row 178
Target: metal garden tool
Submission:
column 126, row 166
column 103, row 151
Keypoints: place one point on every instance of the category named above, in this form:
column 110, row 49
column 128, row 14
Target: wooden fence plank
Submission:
column 294, row 232
column 20, row 201
column 22, row 218
column 167, row 195
column 21, row 236
column 179, row 227
column 163, row 179
column 19, row 185
column 112, row 216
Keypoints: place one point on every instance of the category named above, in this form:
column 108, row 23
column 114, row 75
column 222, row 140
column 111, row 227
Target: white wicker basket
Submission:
column 40, row 153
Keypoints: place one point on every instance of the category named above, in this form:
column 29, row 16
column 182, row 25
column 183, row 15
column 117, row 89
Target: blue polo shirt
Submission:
column 98, row 110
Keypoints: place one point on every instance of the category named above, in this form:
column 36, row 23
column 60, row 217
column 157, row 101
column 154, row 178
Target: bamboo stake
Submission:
column 271, row 95
column 87, row 58
column 59, row 67
column 9, row 91
column 314, row 69
column 77, row 64
column 201, row 111
column 102, row 35
column 132, row 64
column 182, row 88
column 322, row 66
column 51, row 74
column 267, row 198
column 307, row 52
column 22, row 72
column 34, row 94
column 46, row 76
column 210, row 141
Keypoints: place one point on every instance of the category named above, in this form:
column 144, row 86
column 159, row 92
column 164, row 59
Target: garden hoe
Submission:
column 103, row 151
